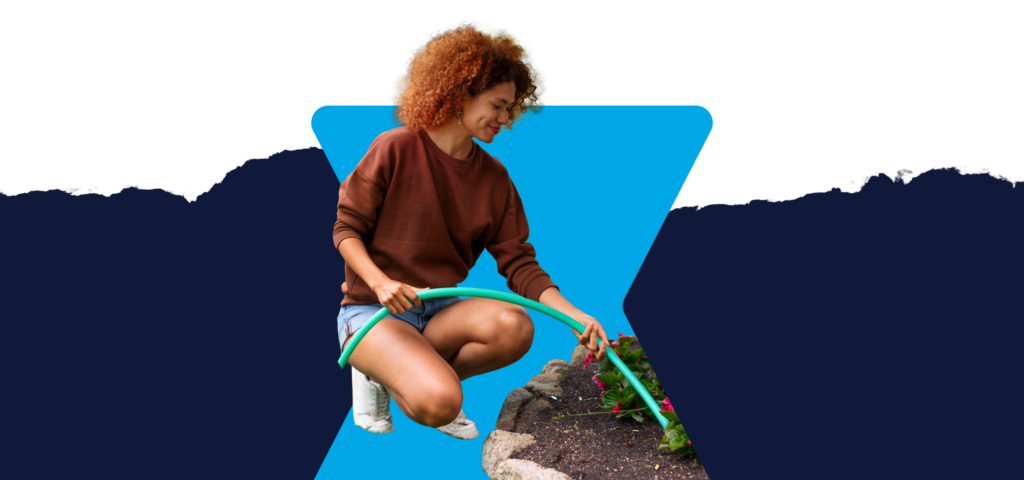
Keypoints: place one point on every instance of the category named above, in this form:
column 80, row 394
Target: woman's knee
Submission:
column 437, row 405
column 516, row 329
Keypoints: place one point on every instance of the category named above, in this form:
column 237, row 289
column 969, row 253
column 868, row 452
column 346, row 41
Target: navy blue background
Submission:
column 868, row 335
column 146, row 337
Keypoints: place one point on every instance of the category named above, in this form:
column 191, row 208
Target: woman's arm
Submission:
column 517, row 262
column 359, row 199
column 393, row 295
column 593, row 330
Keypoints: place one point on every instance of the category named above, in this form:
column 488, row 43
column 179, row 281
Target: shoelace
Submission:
column 381, row 401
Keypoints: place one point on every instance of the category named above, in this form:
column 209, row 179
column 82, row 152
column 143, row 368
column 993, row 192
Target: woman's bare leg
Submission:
column 422, row 383
column 480, row 335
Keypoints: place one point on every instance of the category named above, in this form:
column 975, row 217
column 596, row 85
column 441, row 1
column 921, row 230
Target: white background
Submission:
column 805, row 96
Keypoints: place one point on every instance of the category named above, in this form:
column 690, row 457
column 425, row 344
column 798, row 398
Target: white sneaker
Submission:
column 461, row 428
column 371, row 404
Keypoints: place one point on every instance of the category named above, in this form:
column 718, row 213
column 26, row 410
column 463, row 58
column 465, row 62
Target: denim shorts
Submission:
column 352, row 317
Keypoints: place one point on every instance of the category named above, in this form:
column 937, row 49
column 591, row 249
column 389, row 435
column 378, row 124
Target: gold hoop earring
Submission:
column 460, row 118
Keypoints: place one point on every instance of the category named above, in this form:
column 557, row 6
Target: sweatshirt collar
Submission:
column 474, row 154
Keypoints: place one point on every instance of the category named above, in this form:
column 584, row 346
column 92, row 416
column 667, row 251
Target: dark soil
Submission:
column 601, row 446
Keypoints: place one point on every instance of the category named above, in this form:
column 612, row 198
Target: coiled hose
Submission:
column 516, row 299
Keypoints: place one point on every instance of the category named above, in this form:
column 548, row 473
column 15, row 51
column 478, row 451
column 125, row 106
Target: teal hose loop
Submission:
column 516, row 299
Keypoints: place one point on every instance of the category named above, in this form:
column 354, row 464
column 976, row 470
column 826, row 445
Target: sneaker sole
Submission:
column 477, row 434
column 378, row 433
column 390, row 428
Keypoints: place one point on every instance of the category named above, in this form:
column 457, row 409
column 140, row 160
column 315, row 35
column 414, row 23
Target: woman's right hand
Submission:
column 397, row 296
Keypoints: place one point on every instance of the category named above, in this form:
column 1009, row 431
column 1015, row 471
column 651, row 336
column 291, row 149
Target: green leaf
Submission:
column 609, row 379
column 638, row 417
column 629, row 390
column 671, row 416
column 663, row 445
column 682, row 452
column 610, row 397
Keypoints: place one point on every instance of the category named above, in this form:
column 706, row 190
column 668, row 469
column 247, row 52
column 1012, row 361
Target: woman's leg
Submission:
column 422, row 383
column 480, row 335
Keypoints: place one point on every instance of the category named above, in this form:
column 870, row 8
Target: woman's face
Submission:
column 484, row 115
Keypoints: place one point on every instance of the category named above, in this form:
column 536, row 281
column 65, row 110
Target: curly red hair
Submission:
column 463, row 62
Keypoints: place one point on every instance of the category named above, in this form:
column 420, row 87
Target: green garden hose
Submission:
column 516, row 299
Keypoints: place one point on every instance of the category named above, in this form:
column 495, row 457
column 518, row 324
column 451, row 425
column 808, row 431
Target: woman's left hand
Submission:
column 592, row 331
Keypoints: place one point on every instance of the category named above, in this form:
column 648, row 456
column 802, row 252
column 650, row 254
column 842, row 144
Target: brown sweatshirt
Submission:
column 425, row 217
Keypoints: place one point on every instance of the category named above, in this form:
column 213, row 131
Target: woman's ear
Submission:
column 462, row 104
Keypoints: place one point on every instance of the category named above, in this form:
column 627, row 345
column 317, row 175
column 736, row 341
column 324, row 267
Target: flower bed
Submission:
column 622, row 399
column 600, row 427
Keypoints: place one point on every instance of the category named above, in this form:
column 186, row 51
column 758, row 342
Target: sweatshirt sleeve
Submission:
column 362, row 193
column 516, row 258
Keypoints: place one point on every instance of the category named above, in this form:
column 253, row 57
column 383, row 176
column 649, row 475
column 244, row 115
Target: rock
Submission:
column 545, row 384
column 580, row 354
column 533, row 412
column 525, row 469
column 509, row 410
column 522, row 409
column 500, row 445
column 557, row 366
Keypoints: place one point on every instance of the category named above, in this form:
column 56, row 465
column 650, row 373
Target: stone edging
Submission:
column 521, row 407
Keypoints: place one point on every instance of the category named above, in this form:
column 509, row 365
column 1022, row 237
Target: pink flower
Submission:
column 604, row 392
column 688, row 443
column 615, row 409
column 601, row 385
column 666, row 405
column 615, row 343
column 590, row 358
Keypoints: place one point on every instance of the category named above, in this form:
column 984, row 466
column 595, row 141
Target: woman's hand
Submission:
column 592, row 331
column 396, row 296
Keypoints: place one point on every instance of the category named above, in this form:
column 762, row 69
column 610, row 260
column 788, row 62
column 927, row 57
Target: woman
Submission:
column 416, row 213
